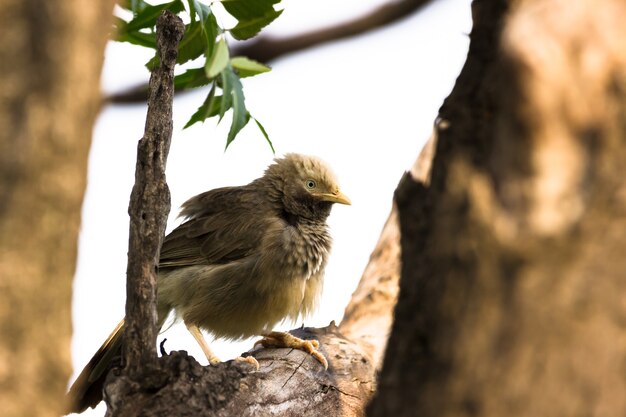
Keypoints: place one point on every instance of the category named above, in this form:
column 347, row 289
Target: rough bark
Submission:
column 150, row 203
column 512, row 288
column 148, row 210
column 289, row 383
column 50, row 61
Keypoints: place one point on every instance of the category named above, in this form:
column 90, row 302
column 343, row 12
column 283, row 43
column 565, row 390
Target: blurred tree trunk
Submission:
column 512, row 294
column 50, row 62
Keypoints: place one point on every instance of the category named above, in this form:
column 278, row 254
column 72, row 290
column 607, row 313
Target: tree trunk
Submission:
column 512, row 291
column 50, row 61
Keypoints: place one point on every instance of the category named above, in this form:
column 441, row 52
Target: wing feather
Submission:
column 222, row 225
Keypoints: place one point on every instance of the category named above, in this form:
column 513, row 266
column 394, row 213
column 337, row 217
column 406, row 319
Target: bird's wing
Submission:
column 223, row 225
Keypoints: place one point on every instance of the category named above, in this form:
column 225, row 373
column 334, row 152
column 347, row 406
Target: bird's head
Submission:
column 306, row 185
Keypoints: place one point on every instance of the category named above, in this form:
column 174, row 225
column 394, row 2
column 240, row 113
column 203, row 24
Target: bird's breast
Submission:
column 306, row 249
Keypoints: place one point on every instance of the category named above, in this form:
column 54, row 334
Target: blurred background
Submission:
column 365, row 104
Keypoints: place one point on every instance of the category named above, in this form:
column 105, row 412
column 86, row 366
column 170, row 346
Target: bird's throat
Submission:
column 290, row 218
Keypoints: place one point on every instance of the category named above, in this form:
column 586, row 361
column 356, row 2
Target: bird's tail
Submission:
column 86, row 391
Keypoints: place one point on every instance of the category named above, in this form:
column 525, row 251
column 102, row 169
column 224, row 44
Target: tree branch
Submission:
column 288, row 383
column 150, row 205
column 267, row 48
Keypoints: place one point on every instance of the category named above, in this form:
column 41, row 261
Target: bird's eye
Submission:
column 310, row 184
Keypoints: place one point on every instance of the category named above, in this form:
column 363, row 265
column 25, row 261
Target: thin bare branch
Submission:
column 150, row 204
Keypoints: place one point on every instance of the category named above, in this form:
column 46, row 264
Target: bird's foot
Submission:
column 287, row 340
column 248, row 359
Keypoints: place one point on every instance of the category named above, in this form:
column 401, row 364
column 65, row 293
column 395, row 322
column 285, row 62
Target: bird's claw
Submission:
column 248, row 359
column 287, row 340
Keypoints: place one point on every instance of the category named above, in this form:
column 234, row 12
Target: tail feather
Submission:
column 86, row 391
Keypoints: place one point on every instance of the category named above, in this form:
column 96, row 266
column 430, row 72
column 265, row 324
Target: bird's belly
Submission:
column 256, row 313
column 228, row 308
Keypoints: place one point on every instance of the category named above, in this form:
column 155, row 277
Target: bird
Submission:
column 244, row 259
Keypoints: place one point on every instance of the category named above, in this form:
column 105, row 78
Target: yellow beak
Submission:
column 336, row 197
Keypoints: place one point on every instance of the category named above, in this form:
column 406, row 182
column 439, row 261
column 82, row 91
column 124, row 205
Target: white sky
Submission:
column 365, row 105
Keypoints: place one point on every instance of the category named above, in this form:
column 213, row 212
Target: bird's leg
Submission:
column 287, row 340
column 197, row 334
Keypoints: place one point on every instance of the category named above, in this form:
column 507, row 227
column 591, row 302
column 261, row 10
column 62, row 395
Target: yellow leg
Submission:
column 283, row 339
column 197, row 334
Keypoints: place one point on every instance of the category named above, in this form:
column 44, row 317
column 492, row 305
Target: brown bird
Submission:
column 245, row 258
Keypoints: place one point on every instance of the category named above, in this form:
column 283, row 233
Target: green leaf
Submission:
column 227, row 94
column 148, row 15
column 210, row 28
column 248, row 9
column 262, row 129
column 209, row 108
column 192, row 10
column 199, row 9
column 135, row 6
column 138, row 5
column 147, row 40
column 236, row 126
column 145, row 17
column 218, row 60
column 191, row 78
column 252, row 15
column 240, row 114
column 136, row 38
column 247, row 67
column 124, row 4
column 153, row 63
column 248, row 28
column 191, row 46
